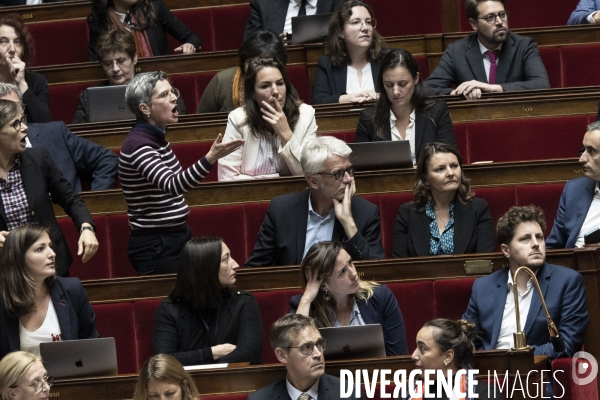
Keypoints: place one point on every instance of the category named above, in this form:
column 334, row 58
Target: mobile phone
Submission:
column 592, row 237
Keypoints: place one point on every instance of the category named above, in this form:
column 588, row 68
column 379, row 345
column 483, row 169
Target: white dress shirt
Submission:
column 294, row 8
column 592, row 219
column 486, row 59
column 410, row 133
column 295, row 393
column 352, row 86
column 509, row 321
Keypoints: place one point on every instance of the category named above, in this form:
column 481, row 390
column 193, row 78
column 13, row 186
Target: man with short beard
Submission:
column 520, row 233
column 491, row 60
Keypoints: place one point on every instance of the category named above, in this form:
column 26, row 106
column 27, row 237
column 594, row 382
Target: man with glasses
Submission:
column 491, row 60
column 327, row 211
column 298, row 344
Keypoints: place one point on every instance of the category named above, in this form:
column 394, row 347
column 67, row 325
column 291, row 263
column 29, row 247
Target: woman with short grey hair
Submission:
column 152, row 178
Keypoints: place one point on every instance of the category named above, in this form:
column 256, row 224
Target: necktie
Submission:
column 492, row 55
column 302, row 12
column 305, row 396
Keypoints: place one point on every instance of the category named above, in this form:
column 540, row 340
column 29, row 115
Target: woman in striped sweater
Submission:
column 152, row 179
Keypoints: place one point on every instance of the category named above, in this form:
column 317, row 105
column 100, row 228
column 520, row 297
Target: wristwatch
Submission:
column 87, row 228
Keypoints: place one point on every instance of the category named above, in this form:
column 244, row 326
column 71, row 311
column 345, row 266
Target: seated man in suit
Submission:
column 586, row 12
column 579, row 208
column 298, row 344
column 327, row 211
column 492, row 59
column 74, row 156
column 520, row 233
column 276, row 15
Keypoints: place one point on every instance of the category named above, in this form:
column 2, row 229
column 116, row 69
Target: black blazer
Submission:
column 330, row 81
column 432, row 124
column 473, row 229
column 4, row 3
column 76, row 317
column 157, row 36
column 269, row 15
column 40, row 177
column 181, row 332
column 282, row 236
column 37, row 98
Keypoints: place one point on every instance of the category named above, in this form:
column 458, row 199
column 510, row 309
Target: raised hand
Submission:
column 220, row 149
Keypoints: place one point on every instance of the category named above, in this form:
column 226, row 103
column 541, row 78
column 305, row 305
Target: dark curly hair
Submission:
column 16, row 22
column 507, row 224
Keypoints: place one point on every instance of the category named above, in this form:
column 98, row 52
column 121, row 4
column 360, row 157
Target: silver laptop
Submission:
column 381, row 155
column 362, row 341
column 310, row 28
column 107, row 103
column 79, row 358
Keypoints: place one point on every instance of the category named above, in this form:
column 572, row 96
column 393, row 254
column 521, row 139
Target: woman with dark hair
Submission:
column 403, row 112
column 148, row 21
column 347, row 74
column 36, row 305
column 447, row 346
column 117, row 54
column 335, row 295
column 163, row 377
column 274, row 123
column 445, row 217
column 225, row 91
column 203, row 320
column 16, row 55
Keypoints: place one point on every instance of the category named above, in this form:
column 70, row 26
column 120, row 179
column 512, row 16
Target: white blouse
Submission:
column 410, row 133
column 48, row 332
column 352, row 86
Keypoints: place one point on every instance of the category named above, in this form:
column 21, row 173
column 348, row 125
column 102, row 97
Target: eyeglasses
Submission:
column 167, row 93
column 308, row 348
column 490, row 19
column 18, row 122
column 119, row 61
column 356, row 24
column 339, row 174
column 38, row 385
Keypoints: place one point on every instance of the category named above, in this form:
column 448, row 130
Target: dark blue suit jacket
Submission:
column 75, row 156
column 564, row 292
column 75, row 316
column 329, row 389
column 574, row 204
column 581, row 12
column 330, row 81
column 382, row 308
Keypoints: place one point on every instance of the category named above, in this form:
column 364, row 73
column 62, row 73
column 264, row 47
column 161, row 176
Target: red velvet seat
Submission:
column 98, row 266
column 190, row 153
column 408, row 295
column 575, row 61
column 564, row 369
column 202, row 81
column 546, row 196
column 254, row 215
column 396, row 18
column 272, row 306
column 229, row 22
column 118, row 227
column 525, row 139
column 64, row 100
column 199, row 21
column 144, row 311
column 70, row 35
column 423, row 66
column 451, row 297
column 186, row 84
column 389, row 204
column 499, row 199
column 460, row 134
column 551, row 59
column 298, row 75
column 116, row 320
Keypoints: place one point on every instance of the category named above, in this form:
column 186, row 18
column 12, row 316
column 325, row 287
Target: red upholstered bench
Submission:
column 460, row 134
column 272, row 306
column 499, row 199
column 186, row 83
column 190, row 153
column 564, row 370
column 551, row 59
column 575, row 61
column 144, row 311
column 451, row 297
column 546, row 196
column 116, row 320
column 254, row 215
column 389, row 204
column 229, row 22
column 396, row 18
column 199, row 21
column 48, row 35
column 64, row 100
column 118, row 227
column 298, row 75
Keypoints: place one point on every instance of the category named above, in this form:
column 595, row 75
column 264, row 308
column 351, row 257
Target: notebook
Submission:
column 107, row 103
column 310, row 28
column 362, row 341
column 381, row 155
column 79, row 358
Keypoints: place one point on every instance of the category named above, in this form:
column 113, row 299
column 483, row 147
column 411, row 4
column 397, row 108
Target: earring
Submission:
column 326, row 296
column 445, row 363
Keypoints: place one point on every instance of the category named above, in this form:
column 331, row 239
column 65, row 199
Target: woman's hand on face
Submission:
column 220, row 149
column 17, row 70
column 221, row 350
column 276, row 117
column 87, row 245
column 186, row 48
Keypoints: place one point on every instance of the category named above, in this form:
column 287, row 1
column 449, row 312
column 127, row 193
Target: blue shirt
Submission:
column 318, row 228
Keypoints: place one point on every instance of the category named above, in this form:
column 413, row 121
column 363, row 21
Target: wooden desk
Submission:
column 386, row 181
column 249, row 379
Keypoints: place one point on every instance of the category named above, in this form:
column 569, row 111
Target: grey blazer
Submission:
column 519, row 66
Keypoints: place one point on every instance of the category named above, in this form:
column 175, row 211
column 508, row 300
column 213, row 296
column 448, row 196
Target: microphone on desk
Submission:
column 519, row 336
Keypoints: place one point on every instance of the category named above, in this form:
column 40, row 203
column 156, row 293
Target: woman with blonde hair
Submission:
column 162, row 376
column 335, row 295
column 23, row 377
